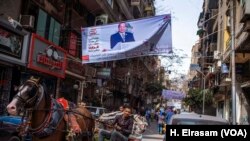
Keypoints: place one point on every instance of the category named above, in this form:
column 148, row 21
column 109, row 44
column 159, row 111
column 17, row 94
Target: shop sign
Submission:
column 104, row 73
column 47, row 57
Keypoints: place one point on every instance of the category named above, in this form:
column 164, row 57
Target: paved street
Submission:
column 151, row 134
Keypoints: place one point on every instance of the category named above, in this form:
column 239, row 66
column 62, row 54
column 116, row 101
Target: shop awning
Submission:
column 200, row 31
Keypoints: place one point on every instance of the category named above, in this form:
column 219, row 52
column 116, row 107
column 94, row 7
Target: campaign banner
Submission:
column 141, row 37
column 169, row 94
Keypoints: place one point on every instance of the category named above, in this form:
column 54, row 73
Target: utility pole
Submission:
column 233, row 95
column 203, row 96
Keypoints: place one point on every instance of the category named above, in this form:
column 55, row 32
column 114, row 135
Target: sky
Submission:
column 185, row 14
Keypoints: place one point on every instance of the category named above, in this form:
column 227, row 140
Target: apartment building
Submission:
column 216, row 34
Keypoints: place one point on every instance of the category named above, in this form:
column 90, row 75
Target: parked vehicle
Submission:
column 186, row 118
column 8, row 129
column 96, row 111
column 197, row 119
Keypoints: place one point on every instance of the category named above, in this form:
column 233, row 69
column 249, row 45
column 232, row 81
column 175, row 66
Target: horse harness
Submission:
column 50, row 123
column 49, row 126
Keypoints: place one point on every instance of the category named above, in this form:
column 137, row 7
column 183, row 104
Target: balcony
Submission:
column 90, row 5
column 245, row 13
column 212, row 4
column 243, row 40
column 138, row 8
column 125, row 8
column 97, row 7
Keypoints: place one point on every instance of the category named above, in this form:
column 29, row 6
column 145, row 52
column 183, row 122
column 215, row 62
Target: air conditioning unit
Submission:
column 27, row 21
column 217, row 54
column 102, row 19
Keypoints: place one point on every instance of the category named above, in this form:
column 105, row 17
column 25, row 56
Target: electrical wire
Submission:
column 79, row 39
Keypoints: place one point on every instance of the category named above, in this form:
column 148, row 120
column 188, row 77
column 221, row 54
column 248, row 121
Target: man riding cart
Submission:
column 121, row 126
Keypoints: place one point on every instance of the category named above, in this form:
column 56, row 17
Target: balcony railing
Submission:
column 228, row 43
column 148, row 8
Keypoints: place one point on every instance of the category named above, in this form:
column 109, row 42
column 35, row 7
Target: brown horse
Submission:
column 44, row 115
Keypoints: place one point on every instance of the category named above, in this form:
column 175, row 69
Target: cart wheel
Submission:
column 14, row 138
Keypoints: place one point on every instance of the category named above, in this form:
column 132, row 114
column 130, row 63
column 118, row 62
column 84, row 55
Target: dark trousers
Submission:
column 160, row 125
column 113, row 136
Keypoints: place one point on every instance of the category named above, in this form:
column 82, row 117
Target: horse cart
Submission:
column 139, row 125
column 9, row 129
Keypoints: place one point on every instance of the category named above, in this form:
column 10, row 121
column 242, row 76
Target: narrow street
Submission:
column 91, row 60
column 151, row 134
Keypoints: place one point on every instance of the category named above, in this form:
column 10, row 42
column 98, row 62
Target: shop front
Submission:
column 13, row 52
column 47, row 61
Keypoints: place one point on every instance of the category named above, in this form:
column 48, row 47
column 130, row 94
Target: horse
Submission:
column 44, row 116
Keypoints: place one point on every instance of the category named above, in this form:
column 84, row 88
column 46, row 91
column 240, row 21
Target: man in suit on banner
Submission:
column 121, row 36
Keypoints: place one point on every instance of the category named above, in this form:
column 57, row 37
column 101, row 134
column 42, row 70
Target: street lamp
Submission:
column 203, row 93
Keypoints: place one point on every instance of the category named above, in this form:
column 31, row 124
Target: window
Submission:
column 54, row 31
column 110, row 3
column 48, row 27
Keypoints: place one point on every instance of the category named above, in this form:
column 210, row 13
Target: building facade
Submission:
column 219, row 23
column 43, row 38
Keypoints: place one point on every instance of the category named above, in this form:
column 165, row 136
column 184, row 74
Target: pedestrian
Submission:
column 121, row 108
column 161, row 118
column 169, row 114
column 148, row 116
column 156, row 114
column 152, row 115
